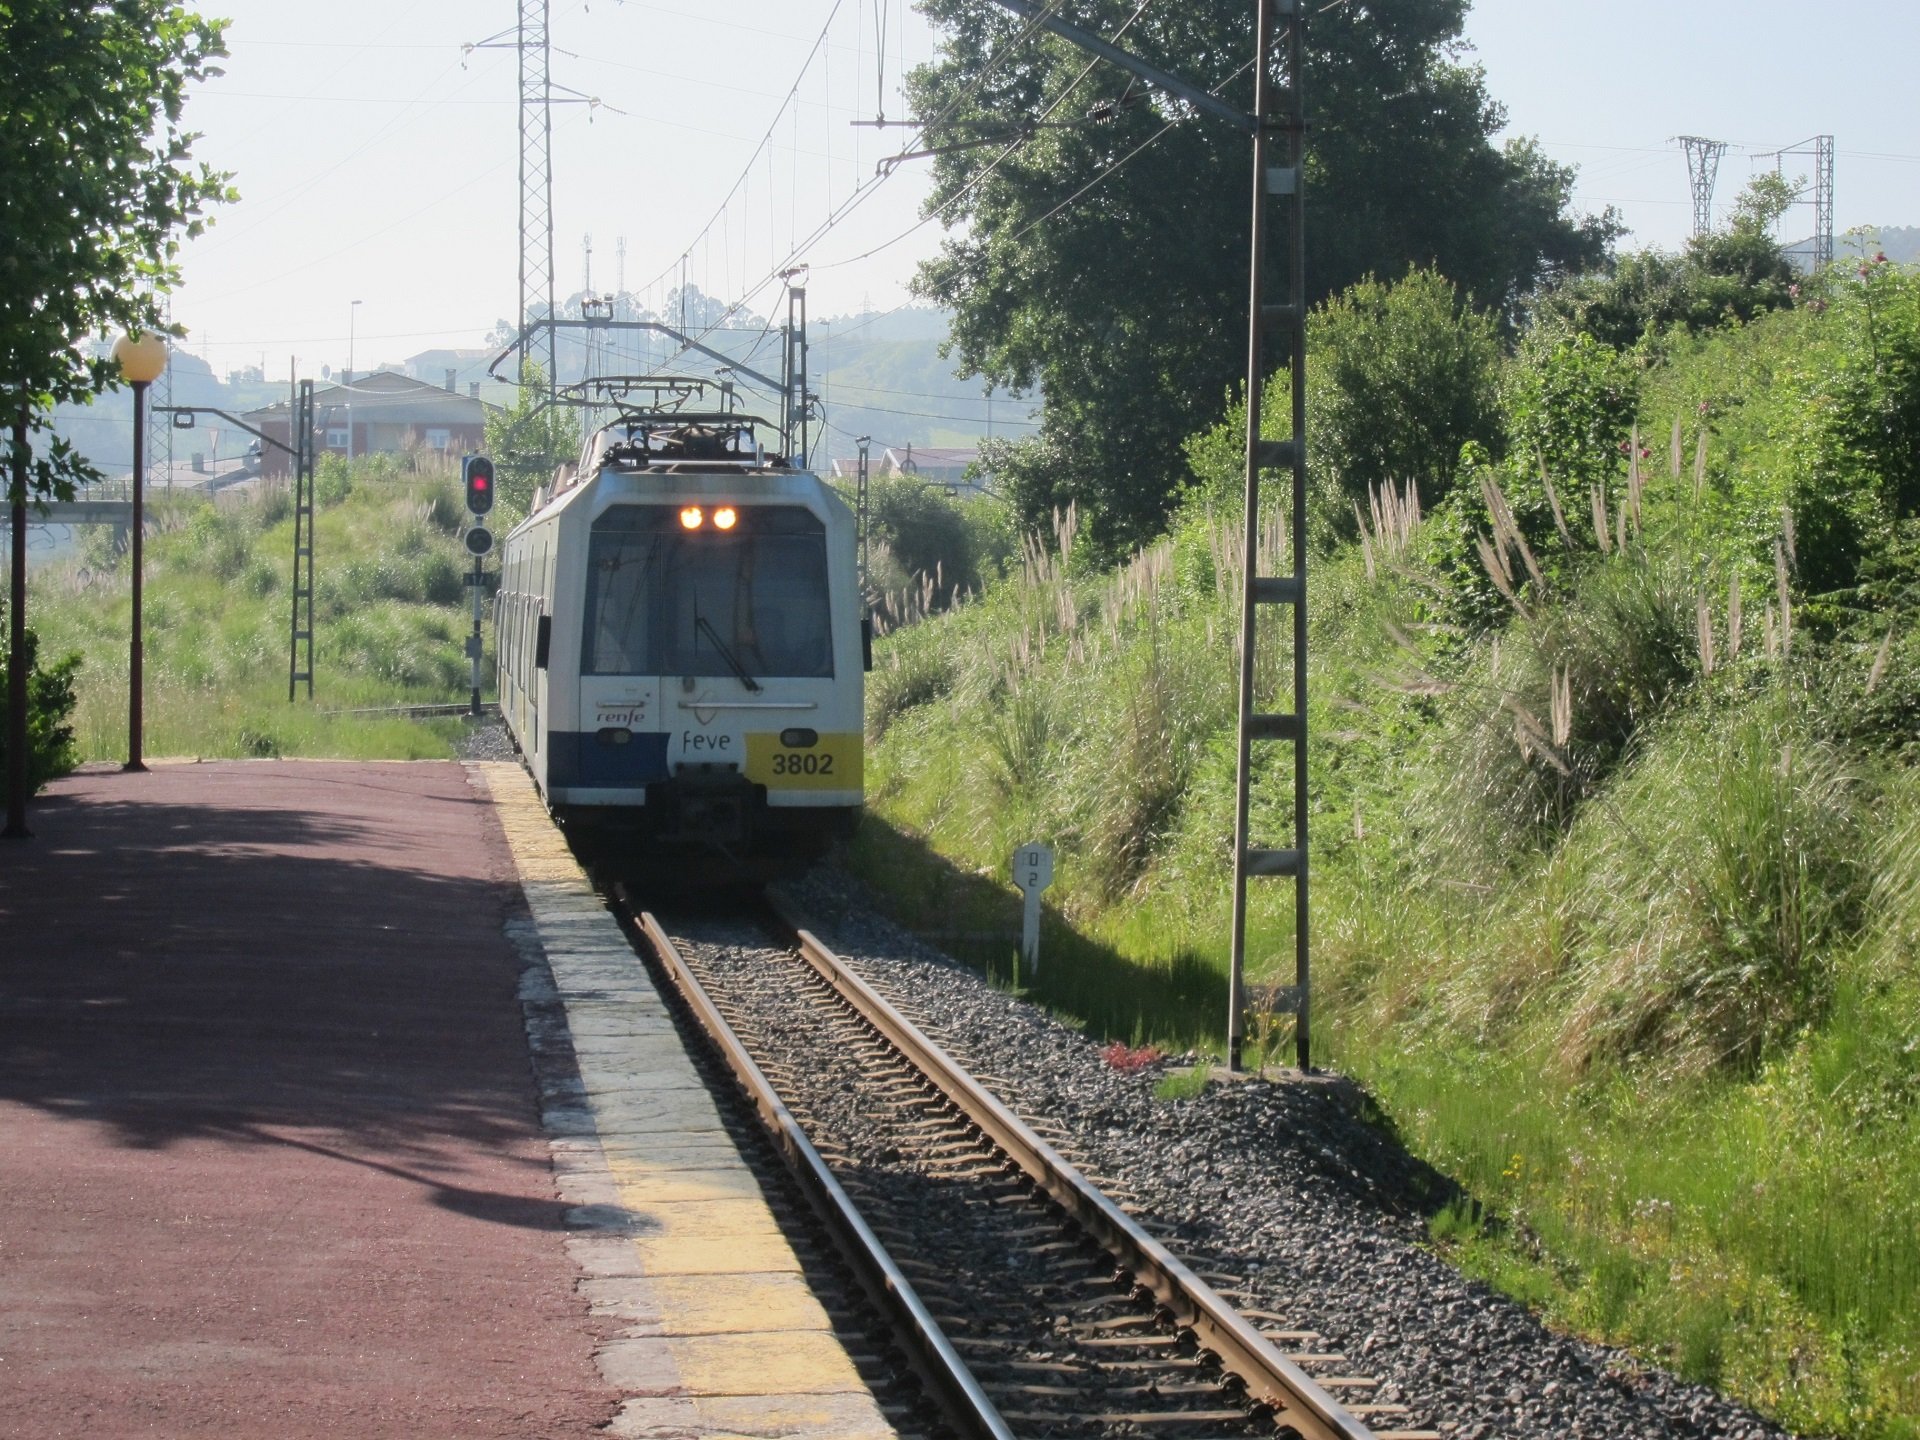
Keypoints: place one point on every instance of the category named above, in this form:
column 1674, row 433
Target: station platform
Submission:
column 332, row 1103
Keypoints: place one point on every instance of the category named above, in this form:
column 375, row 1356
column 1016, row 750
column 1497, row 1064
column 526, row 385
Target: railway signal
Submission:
column 477, row 472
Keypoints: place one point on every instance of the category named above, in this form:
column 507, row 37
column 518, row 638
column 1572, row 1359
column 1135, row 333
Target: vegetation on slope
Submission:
column 390, row 616
column 1617, row 830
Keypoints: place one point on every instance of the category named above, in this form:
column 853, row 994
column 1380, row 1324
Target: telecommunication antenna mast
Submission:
column 1703, row 168
column 1820, row 150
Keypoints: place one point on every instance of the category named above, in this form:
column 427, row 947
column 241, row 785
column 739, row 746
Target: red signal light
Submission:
column 477, row 471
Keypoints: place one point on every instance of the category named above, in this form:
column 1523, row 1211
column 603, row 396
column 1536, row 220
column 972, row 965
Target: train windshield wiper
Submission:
column 701, row 623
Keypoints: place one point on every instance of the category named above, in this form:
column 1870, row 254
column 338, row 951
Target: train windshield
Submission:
column 664, row 598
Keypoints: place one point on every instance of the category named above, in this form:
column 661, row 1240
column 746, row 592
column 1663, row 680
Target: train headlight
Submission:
column 691, row 517
column 724, row 517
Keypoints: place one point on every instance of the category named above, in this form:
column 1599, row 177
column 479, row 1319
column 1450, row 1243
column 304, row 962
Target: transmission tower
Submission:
column 536, row 180
column 1820, row 150
column 1703, row 167
column 159, row 422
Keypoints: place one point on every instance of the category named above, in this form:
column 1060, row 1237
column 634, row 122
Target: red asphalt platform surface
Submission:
column 270, row 1159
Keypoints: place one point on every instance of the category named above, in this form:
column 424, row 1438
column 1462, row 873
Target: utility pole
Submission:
column 865, row 442
column 794, row 414
column 1703, row 167
column 1278, row 114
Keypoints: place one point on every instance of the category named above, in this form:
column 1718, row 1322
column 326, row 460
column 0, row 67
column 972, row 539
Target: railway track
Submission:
column 1029, row 1302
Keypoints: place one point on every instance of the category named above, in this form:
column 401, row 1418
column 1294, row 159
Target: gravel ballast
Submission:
column 1281, row 1182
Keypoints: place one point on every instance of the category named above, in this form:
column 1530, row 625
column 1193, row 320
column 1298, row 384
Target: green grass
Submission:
column 389, row 610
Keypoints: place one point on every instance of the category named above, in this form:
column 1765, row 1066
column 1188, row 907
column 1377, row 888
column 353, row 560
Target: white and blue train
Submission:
column 682, row 642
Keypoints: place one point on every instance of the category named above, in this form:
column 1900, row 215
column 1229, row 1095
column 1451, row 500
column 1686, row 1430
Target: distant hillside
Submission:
column 883, row 376
column 1899, row 243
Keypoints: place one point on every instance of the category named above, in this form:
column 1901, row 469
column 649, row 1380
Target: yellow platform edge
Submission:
column 718, row 1335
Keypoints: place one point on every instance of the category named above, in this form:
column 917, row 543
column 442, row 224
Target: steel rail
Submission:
column 930, row 1352
column 1271, row 1379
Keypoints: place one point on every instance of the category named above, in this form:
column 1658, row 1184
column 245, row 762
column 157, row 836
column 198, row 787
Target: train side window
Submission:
column 542, row 642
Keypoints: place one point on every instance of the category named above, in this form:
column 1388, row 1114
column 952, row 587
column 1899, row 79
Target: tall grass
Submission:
column 389, row 611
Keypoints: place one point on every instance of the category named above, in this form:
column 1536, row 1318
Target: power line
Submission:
column 995, row 163
column 1122, row 162
column 747, row 170
column 866, row 188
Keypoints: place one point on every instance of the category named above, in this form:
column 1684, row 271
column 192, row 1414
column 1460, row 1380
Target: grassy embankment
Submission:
column 390, row 616
column 1617, row 880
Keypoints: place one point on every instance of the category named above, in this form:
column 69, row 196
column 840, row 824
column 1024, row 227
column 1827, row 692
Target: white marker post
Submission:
column 1032, row 872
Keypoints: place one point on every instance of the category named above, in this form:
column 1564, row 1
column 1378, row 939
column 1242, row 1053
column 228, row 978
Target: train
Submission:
column 682, row 641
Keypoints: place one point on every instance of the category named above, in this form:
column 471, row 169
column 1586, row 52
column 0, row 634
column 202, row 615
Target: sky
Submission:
column 377, row 156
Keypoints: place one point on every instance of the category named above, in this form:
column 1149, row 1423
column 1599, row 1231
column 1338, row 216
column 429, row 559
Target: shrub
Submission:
column 1712, row 892
column 1542, row 715
column 914, row 668
column 1400, row 376
column 50, row 704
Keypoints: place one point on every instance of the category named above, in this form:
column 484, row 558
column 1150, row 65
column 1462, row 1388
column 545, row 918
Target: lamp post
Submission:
column 353, row 311
column 16, row 828
column 140, row 360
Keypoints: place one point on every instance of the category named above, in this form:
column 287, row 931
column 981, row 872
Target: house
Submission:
column 380, row 413
column 933, row 464
column 461, row 369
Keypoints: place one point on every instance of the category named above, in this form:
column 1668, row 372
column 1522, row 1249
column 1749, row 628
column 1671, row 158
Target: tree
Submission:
column 528, row 441
column 1725, row 276
column 1399, row 377
column 1127, row 303
column 97, row 190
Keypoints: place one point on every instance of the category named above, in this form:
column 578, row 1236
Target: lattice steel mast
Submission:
column 1820, row 150
column 536, row 183
column 1703, row 168
column 1278, row 119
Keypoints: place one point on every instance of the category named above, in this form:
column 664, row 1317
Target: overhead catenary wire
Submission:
column 868, row 186
column 747, row 170
column 976, row 181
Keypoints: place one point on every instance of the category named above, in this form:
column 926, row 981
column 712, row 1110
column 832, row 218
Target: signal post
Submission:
column 477, row 473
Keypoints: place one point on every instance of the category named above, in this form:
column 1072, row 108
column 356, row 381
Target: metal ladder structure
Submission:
column 796, row 401
column 301, row 435
column 1279, row 114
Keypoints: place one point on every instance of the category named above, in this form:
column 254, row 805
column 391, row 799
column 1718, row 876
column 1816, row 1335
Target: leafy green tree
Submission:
column 1399, row 377
column 97, row 190
column 928, row 533
column 1726, row 276
column 528, row 441
column 1105, row 261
